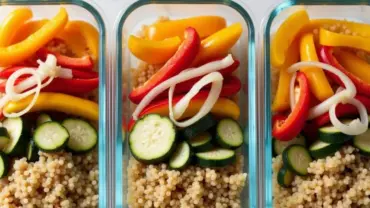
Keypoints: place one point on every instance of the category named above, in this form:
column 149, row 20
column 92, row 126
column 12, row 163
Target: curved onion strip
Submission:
column 324, row 106
column 196, row 72
column 291, row 90
column 216, row 79
column 356, row 126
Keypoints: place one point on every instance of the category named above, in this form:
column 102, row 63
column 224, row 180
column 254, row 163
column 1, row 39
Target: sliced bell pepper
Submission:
column 25, row 49
column 57, row 102
column 285, row 35
column 287, row 129
column 354, row 65
column 326, row 55
column 328, row 38
column 28, row 29
column 218, row 44
column 204, row 25
column 223, row 108
column 178, row 62
column 83, row 63
column 153, row 52
column 319, row 84
column 12, row 23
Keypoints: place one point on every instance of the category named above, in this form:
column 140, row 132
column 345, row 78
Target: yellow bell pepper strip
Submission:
column 328, row 38
column 354, row 64
column 204, row 25
column 20, row 51
column 12, row 23
column 218, row 44
column 285, row 35
column 319, row 84
column 57, row 102
column 153, row 52
column 28, row 29
column 281, row 100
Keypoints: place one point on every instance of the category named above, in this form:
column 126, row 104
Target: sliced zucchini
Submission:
column 216, row 157
column 362, row 142
column 285, row 177
column 42, row 118
column 320, row 149
column 152, row 139
column 199, row 127
column 50, row 136
column 202, row 142
column 181, row 157
column 332, row 135
column 4, row 164
column 82, row 135
column 297, row 159
column 4, row 137
column 229, row 134
column 32, row 152
column 279, row 146
column 18, row 134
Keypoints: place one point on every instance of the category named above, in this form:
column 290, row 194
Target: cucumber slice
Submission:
column 82, row 135
column 202, row 142
column 279, row 146
column 4, row 165
column 362, row 142
column 297, row 159
column 181, row 157
column 32, row 152
column 43, row 118
column 4, row 137
column 229, row 134
column 152, row 139
column 320, row 149
column 18, row 136
column 332, row 135
column 217, row 157
column 199, row 127
column 51, row 136
column 285, row 177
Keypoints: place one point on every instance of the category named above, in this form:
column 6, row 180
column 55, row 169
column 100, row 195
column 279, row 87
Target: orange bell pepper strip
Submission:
column 354, row 64
column 12, row 23
column 319, row 84
column 28, row 29
column 328, row 38
column 204, row 25
column 218, row 44
column 153, row 52
column 20, row 51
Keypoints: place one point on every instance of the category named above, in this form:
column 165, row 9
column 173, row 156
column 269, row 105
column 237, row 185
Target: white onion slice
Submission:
column 196, row 72
column 216, row 79
column 355, row 127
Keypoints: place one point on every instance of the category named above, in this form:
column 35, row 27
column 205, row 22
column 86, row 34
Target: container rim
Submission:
column 97, row 14
column 251, row 128
column 265, row 197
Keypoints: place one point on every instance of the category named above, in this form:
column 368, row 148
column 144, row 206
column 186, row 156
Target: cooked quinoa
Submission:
column 158, row 186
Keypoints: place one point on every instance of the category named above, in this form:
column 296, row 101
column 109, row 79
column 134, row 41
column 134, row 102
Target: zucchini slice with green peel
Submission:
column 199, row 127
column 229, row 134
column 181, row 157
column 202, row 142
column 279, row 146
column 362, row 142
column 4, row 165
column 42, row 118
column 297, row 159
column 4, row 137
column 285, row 177
column 152, row 139
column 32, row 152
column 216, row 157
column 332, row 135
column 82, row 135
column 320, row 149
column 18, row 135
column 51, row 136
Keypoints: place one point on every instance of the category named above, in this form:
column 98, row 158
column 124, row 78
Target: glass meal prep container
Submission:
column 130, row 23
column 71, row 50
column 331, row 180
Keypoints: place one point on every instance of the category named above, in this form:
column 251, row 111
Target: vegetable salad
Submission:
column 184, row 133
column 49, row 111
column 320, row 125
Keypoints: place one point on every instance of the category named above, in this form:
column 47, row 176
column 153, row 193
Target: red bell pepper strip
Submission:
column 6, row 73
column 83, row 63
column 287, row 129
column 326, row 55
column 181, row 60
